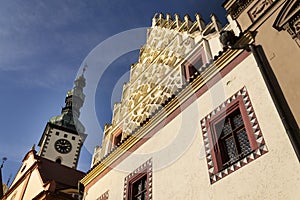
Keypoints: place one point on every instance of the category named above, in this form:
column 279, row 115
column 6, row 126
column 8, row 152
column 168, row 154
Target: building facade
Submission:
column 199, row 118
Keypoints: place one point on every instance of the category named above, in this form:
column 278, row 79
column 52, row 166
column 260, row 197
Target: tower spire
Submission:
column 69, row 117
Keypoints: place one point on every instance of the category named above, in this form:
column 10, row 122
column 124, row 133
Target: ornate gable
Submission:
column 289, row 19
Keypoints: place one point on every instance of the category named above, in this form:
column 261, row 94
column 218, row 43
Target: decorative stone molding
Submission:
column 259, row 8
column 238, row 7
column 289, row 19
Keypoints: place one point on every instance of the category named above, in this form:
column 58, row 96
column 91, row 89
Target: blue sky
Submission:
column 42, row 46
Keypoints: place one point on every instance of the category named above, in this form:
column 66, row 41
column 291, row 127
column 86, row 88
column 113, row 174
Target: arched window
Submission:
column 58, row 160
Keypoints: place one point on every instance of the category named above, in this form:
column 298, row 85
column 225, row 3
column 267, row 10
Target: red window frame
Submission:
column 116, row 138
column 240, row 100
column 213, row 138
column 135, row 179
column 145, row 170
column 189, row 68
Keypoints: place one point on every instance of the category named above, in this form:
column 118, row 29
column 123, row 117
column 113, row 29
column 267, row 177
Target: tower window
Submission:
column 73, row 137
column 65, row 135
column 23, row 168
column 58, row 160
column 57, row 133
column 138, row 189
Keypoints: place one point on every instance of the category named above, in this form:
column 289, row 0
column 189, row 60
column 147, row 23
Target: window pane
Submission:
column 244, row 142
column 226, row 128
column 231, row 148
column 223, row 128
column 139, row 189
column 237, row 119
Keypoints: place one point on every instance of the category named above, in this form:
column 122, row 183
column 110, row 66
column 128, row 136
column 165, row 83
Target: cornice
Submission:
column 235, row 8
column 206, row 73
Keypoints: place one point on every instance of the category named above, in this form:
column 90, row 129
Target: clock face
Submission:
column 63, row 146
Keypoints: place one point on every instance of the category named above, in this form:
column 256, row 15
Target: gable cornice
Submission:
column 289, row 11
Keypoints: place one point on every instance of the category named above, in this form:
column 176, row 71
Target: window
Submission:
column 116, row 138
column 57, row 133
column 193, row 64
column 138, row 184
column 138, row 189
column 24, row 167
column 229, row 136
column 58, row 160
column 232, row 136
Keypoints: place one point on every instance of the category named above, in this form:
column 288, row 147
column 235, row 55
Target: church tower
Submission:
column 64, row 134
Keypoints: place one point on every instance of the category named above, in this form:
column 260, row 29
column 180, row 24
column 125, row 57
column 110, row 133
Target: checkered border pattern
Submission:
column 262, row 148
column 146, row 166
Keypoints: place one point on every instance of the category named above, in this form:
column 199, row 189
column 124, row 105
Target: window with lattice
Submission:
column 138, row 184
column 138, row 189
column 232, row 136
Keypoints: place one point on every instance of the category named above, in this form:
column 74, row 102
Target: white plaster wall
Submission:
column 26, row 165
column 35, row 185
column 180, row 171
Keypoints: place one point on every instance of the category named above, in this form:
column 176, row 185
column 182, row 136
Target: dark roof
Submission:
column 64, row 177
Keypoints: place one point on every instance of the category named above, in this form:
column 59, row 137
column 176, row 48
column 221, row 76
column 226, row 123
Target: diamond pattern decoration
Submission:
column 262, row 148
